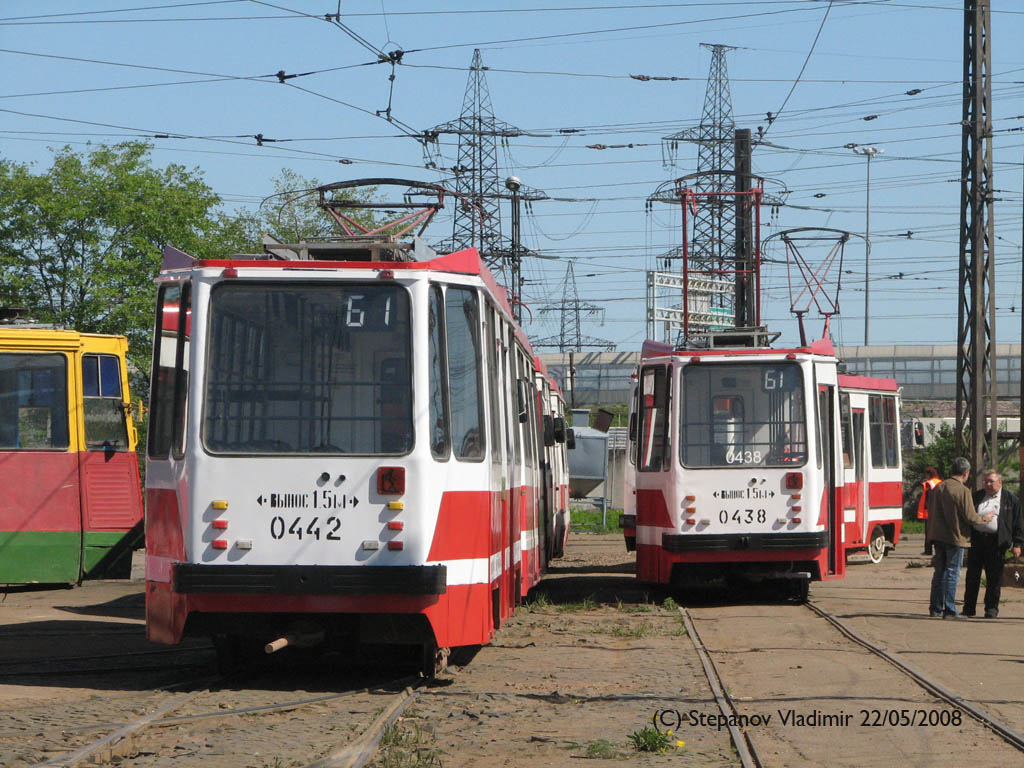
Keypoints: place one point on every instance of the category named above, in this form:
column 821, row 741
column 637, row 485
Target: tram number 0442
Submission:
column 279, row 528
column 742, row 516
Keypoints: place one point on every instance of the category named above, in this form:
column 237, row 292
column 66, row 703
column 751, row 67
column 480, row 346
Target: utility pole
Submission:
column 747, row 290
column 976, row 313
column 868, row 152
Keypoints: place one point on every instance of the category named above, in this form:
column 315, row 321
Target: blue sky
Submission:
column 205, row 71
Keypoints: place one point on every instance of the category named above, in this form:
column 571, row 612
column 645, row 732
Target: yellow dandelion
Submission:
column 680, row 743
column 668, row 733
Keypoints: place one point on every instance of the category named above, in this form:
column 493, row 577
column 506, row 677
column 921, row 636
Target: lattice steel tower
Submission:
column 976, row 337
column 712, row 243
column 714, row 226
column 571, row 339
column 476, row 170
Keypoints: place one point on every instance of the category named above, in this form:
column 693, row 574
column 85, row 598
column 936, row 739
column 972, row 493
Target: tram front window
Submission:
column 743, row 415
column 33, row 402
column 308, row 369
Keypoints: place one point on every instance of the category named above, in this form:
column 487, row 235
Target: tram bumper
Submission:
column 676, row 542
column 189, row 578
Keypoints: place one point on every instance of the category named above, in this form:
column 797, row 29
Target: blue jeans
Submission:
column 948, row 559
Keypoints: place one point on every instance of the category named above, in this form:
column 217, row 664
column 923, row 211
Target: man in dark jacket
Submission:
column 950, row 516
column 989, row 542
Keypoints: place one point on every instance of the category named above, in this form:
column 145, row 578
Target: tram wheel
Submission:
column 876, row 546
column 433, row 660
column 802, row 590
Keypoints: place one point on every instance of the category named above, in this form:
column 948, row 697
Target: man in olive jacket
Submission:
column 951, row 514
column 990, row 541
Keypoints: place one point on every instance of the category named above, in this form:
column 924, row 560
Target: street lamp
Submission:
column 868, row 152
column 513, row 185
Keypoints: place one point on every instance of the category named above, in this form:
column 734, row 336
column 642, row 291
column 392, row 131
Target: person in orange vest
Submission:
column 931, row 479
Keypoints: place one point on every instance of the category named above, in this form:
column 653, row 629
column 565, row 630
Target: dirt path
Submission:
column 574, row 675
column 583, row 666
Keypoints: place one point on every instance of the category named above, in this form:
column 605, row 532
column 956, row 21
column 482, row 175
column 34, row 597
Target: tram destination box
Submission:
column 1013, row 573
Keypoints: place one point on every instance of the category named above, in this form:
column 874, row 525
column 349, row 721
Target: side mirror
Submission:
column 549, row 431
column 559, row 429
column 570, row 439
column 632, row 426
column 524, row 413
column 918, row 433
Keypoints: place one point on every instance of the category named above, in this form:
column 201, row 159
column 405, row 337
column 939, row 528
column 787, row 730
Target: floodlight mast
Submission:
column 868, row 152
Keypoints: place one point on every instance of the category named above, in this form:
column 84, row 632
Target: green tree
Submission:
column 939, row 454
column 81, row 242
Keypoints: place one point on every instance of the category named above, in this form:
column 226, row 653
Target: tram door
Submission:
column 40, row 505
column 860, row 483
column 826, row 433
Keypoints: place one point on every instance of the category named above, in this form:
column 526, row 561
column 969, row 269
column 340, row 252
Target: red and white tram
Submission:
column 346, row 444
column 760, row 463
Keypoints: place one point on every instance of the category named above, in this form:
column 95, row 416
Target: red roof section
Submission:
column 852, row 381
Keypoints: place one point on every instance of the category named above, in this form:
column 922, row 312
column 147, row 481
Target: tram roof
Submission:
column 853, row 381
column 41, row 338
column 822, row 347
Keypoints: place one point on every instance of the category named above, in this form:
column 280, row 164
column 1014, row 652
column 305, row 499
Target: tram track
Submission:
column 139, row 737
column 1008, row 734
column 741, row 742
column 731, row 705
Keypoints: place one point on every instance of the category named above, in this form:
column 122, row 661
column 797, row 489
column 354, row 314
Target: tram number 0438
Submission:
column 742, row 516
column 279, row 528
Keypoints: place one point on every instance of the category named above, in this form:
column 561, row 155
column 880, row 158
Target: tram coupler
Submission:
column 297, row 640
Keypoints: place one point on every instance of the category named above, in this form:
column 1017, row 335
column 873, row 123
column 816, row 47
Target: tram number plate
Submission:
column 742, row 516
column 311, row 527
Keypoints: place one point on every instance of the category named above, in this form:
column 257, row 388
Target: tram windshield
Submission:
column 308, row 368
column 743, row 414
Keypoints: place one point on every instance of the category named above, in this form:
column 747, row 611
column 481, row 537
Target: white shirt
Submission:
column 989, row 506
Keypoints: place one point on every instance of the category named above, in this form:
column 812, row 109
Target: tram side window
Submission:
column 168, row 352
column 182, row 364
column 847, row 430
column 526, row 405
column 508, row 367
column 440, row 437
column 885, row 448
column 102, row 403
column 462, row 317
column 490, row 334
column 33, row 402
column 634, row 416
column 653, row 427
